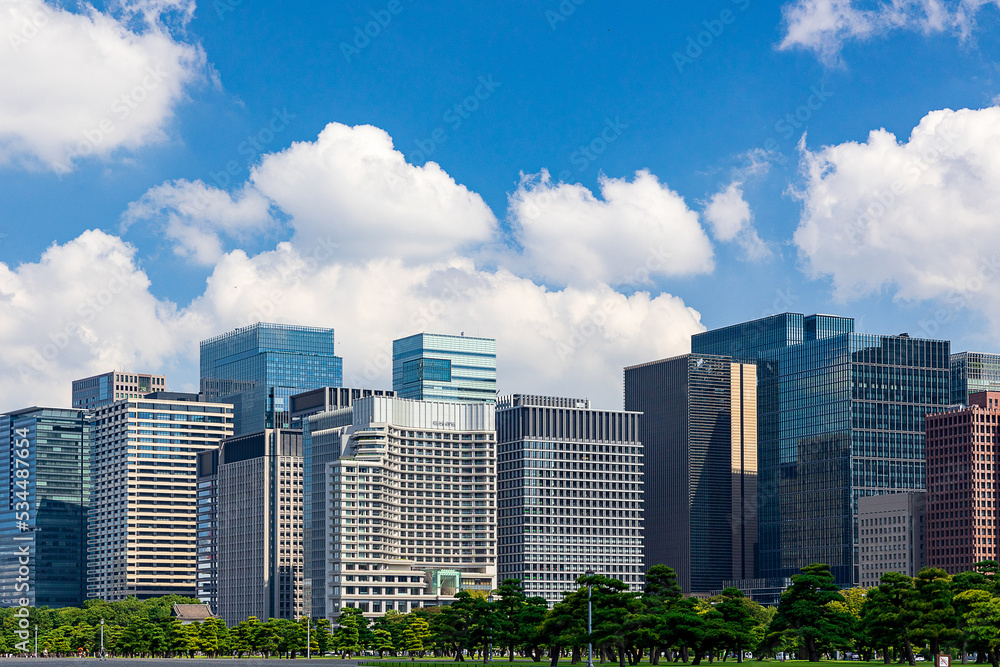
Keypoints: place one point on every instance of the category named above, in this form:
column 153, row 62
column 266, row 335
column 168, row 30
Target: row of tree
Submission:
column 147, row 628
column 900, row 619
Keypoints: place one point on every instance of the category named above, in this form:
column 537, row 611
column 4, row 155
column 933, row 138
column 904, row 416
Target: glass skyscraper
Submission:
column 437, row 367
column 699, row 436
column 972, row 372
column 840, row 416
column 257, row 368
column 46, row 507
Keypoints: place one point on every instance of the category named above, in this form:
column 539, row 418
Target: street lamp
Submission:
column 309, row 620
column 36, row 640
column 489, row 642
column 590, row 618
column 102, row 640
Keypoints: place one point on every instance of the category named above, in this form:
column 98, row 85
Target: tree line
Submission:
column 146, row 628
column 901, row 619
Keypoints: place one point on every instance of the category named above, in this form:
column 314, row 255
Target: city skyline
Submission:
column 669, row 169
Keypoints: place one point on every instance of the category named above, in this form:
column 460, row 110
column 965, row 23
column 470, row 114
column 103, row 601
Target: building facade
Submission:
column 98, row 391
column 142, row 528
column 699, row 434
column 570, row 495
column 46, row 477
column 208, row 528
column 962, row 483
column 259, row 543
column 972, row 372
column 840, row 416
column 893, row 535
column 259, row 367
column 317, row 413
column 411, row 505
column 438, row 367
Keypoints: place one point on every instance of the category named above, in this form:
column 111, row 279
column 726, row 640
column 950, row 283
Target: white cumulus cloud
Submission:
column 636, row 228
column 87, row 83
column 731, row 219
column 351, row 183
column 197, row 217
column 823, row 26
column 919, row 217
column 379, row 249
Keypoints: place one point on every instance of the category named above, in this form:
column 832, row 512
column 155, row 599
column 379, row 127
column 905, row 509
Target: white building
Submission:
column 143, row 514
column 411, row 505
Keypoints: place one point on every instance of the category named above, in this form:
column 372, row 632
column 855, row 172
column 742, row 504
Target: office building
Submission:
column 43, row 522
column 259, row 367
column 207, row 580
column 98, row 391
column 570, row 494
column 411, row 505
column 699, row 435
column 142, row 528
column 962, row 482
column 840, row 416
column 317, row 412
column 259, row 543
column 437, row 367
column 972, row 372
column 893, row 535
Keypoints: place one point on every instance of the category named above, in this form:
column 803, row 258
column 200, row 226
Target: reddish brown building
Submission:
column 962, row 480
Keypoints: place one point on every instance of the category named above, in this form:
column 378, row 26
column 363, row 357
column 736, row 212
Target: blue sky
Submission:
column 189, row 135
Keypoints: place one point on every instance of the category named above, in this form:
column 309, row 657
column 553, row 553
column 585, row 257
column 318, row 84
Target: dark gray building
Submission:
column 46, row 476
column 699, row 435
column 570, row 493
column 259, row 537
column 840, row 416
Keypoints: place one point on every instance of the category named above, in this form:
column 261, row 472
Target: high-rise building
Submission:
column 43, row 522
column 97, row 391
column 438, row 367
column 259, row 538
column 208, row 528
column 972, row 372
column 963, row 478
column 257, row 369
column 571, row 494
column 317, row 412
column 699, row 435
column 142, row 528
column 840, row 416
column 893, row 535
column 411, row 505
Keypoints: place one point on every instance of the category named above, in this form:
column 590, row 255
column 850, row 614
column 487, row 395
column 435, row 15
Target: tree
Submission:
column 660, row 593
column 887, row 614
column 509, row 605
column 805, row 610
column 736, row 621
column 935, row 620
column 530, row 621
column 345, row 639
column 982, row 620
column 415, row 637
column 209, row 639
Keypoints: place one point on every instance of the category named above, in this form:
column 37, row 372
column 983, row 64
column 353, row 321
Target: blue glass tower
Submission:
column 46, row 478
column 840, row 416
column 437, row 367
column 257, row 368
column 972, row 372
